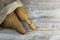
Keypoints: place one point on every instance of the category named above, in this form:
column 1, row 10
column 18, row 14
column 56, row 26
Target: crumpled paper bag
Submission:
column 8, row 6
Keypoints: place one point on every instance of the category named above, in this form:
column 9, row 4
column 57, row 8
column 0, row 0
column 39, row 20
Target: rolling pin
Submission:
column 12, row 21
column 21, row 13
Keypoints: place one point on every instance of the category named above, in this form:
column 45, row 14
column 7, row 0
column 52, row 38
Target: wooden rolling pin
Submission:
column 21, row 13
column 11, row 21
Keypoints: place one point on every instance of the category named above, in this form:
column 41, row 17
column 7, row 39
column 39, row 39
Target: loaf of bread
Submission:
column 12, row 21
column 21, row 13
